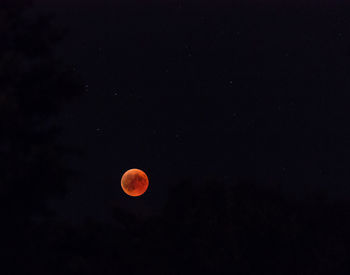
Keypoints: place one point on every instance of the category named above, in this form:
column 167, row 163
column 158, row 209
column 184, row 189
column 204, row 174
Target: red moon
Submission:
column 134, row 182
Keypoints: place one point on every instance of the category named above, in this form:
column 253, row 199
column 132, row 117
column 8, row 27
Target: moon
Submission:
column 134, row 182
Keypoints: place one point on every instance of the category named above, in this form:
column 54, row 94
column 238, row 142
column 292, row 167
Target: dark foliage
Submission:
column 215, row 228
column 34, row 86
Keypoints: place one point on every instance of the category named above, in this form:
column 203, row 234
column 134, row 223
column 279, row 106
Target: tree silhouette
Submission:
column 240, row 228
column 33, row 87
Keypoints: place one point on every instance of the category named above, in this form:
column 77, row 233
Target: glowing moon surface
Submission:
column 134, row 182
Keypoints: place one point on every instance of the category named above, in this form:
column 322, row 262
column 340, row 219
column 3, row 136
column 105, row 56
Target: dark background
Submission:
column 237, row 111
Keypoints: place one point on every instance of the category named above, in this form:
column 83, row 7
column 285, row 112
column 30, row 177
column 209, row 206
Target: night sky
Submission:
column 206, row 97
column 189, row 90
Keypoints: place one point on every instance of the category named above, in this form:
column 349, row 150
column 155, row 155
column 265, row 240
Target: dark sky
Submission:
column 190, row 90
